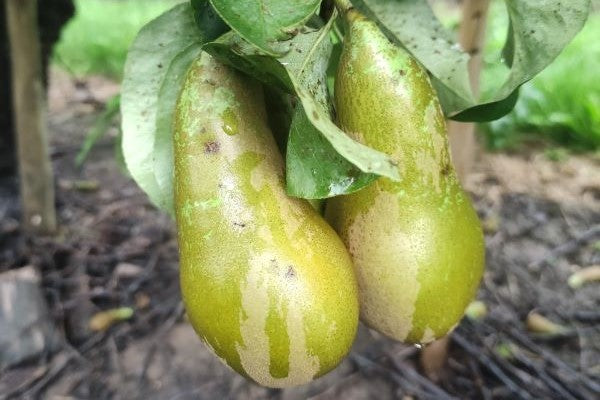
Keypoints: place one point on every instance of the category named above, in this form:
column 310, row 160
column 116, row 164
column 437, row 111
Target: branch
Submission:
column 569, row 247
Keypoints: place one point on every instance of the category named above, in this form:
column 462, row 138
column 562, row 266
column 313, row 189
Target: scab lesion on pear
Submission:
column 211, row 147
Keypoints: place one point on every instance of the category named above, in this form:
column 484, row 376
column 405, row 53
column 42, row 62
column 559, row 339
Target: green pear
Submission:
column 267, row 283
column 417, row 244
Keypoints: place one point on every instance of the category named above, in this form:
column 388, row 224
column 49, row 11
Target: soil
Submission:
column 114, row 249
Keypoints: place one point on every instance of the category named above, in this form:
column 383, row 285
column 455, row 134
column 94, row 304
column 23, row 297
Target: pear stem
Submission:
column 343, row 5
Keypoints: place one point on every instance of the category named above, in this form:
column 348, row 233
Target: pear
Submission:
column 417, row 244
column 266, row 282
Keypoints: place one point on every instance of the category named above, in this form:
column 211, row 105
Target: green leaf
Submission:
column 207, row 19
column 118, row 153
column 412, row 24
column 304, row 55
column 164, row 162
column 148, row 59
column 508, row 51
column 281, row 110
column 232, row 50
column 539, row 30
column 98, row 129
column 334, row 61
column 491, row 111
column 314, row 169
column 365, row 158
column 264, row 23
column 158, row 55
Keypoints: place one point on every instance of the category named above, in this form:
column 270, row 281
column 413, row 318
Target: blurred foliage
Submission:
column 96, row 40
column 561, row 105
column 101, row 125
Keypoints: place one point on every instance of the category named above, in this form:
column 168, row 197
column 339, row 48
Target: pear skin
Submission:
column 416, row 244
column 267, row 283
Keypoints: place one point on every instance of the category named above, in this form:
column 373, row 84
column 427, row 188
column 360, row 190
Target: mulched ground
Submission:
column 542, row 222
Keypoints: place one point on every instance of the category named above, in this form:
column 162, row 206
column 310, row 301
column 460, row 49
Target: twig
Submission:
column 49, row 375
column 413, row 374
column 146, row 275
column 368, row 364
column 489, row 364
column 91, row 342
column 587, row 316
column 166, row 327
column 525, row 341
column 485, row 393
column 524, row 377
column 547, row 379
column 527, row 380
column 431, row 390
column 30, row 381
column 568, row 247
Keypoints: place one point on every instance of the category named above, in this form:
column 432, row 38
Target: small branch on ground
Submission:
column 569, row 247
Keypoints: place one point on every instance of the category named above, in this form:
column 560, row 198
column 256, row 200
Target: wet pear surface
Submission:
column 416, row 244
column 266, row 282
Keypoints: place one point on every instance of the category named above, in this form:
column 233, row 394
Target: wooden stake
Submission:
column 471, row 35
column 35, row 171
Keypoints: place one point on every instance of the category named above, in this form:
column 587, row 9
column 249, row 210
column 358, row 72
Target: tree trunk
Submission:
column 35, row 171
column 7, row 159
column 54, row 15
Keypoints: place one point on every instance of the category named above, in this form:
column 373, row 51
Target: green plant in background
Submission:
column 561, row 104
column 103, row 122
column 96, row 40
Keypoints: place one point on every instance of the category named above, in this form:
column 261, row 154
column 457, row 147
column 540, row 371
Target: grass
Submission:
column 96, row 40
column 561, row 105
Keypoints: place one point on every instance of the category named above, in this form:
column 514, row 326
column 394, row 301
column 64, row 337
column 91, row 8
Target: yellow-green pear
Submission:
column 267, row 283
column 417, row 245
